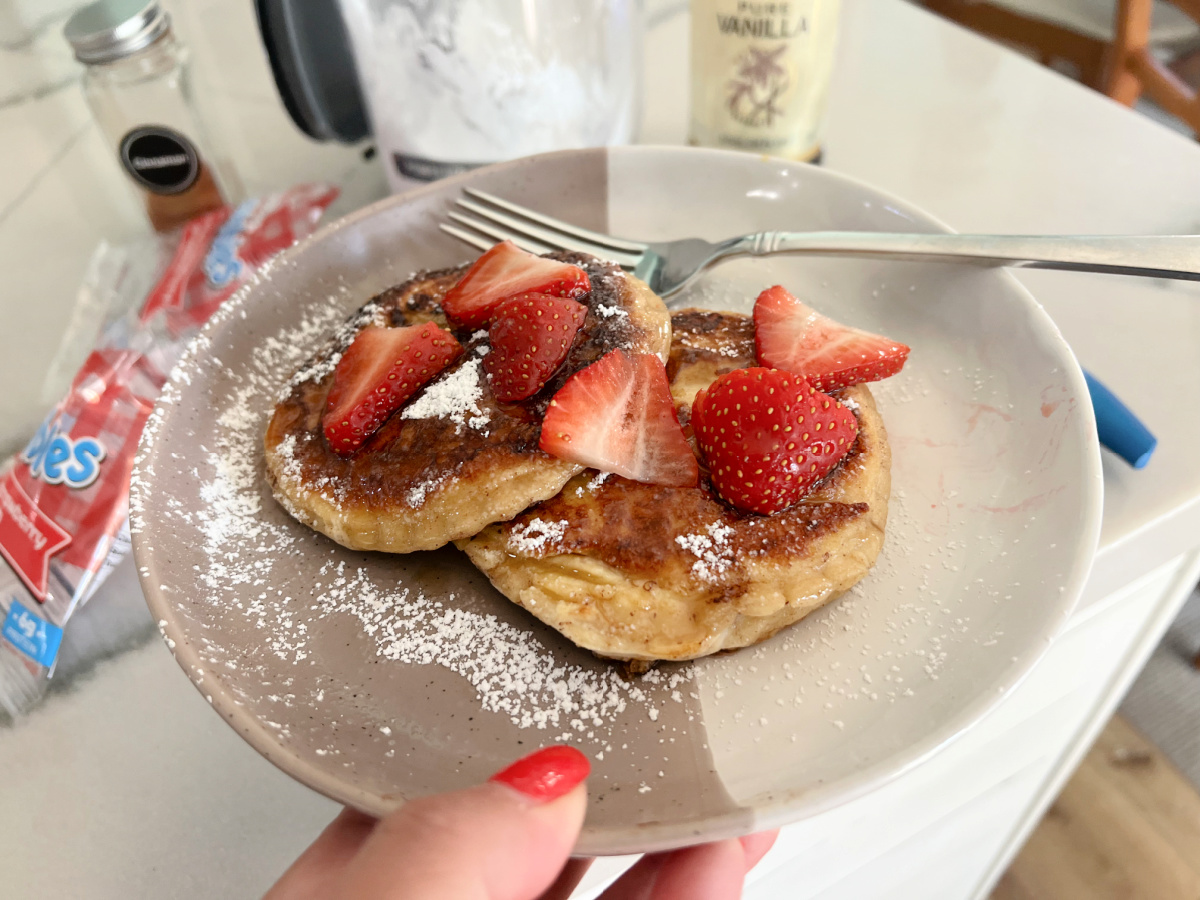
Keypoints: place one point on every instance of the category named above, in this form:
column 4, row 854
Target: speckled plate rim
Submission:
column 786, row 806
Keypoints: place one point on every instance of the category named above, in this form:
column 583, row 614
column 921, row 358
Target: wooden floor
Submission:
column 1127, row 825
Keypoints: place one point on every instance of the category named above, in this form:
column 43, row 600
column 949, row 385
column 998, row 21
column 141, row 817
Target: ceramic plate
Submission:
column 375, row 678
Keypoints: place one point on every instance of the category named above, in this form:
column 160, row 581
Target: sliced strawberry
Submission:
column 503, row 272
column 790, row 335
column 768, row 436
column 381, row 369
column 530, row 336
column 617, row 416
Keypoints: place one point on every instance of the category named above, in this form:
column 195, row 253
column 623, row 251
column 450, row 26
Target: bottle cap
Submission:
column 113, row 29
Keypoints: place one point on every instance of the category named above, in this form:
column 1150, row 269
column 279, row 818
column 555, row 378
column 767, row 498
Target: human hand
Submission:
column 508, row 839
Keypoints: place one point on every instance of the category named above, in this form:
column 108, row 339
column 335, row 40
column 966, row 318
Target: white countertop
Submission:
column 124, row 784
column 991, row 142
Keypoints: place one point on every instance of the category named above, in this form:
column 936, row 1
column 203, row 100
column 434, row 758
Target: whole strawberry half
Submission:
column 530, row 335
column 381, row 369
column 617, row 415
column 769, row 436
column 505, row 271
column 792, row 336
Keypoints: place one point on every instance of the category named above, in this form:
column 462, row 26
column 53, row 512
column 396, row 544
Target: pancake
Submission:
column 642, row 572
column 453, row 459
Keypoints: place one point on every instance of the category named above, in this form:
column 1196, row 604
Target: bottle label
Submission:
column 760, row 71
column 160, row 160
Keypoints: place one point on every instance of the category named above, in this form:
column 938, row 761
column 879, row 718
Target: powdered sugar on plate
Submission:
column 512, row 673
column 250, row 550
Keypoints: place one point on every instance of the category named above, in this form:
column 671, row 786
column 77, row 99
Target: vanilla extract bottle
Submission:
column 760, row 74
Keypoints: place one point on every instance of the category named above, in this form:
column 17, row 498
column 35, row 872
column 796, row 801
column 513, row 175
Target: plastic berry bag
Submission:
column 64, row 499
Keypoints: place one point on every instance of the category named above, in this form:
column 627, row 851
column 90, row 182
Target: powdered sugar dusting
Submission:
column 594, row 484
column 324, row 363
column 288, row 469
column 536, row 535
column 250, row 551
column 600, row 478
column 714, row 556
column 416, row 496
column 455, row 397
column 511, row 672
column 705, row 342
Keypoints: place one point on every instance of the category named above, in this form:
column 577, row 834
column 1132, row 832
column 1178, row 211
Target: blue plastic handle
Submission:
column 1120, row 430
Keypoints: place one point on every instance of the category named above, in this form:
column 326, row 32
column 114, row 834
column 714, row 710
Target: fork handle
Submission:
column 1162, row 256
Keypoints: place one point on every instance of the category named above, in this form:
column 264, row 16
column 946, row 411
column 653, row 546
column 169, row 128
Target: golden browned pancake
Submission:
column 453, row 459
column 641, row 572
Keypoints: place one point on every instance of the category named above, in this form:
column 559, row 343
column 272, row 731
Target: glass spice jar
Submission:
column 137, row 86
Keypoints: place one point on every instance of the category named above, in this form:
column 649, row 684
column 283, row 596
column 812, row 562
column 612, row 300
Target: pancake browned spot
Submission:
column 643, row 572
column 454, row 458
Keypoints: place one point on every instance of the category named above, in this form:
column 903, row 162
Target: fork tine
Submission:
column 554, row 239
column 498, row 234
column 593, row 237
column 473, row 239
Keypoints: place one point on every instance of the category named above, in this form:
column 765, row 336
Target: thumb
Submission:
column 504, row 840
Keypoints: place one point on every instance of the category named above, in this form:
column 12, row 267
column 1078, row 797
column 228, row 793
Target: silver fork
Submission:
column 669, row 266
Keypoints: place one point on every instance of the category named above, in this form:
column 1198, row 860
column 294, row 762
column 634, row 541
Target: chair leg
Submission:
column 1131, row 35
column 1046, row 41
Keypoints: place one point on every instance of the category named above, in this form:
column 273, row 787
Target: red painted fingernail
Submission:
column 546, row 774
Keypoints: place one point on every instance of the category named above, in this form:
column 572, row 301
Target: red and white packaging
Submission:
column 64, row 499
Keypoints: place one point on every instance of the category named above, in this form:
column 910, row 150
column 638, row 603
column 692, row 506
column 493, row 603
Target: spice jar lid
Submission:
column 111, row 29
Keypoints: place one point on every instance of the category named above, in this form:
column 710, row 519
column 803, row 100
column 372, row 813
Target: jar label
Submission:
column 420, row 169
column 160, row 160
